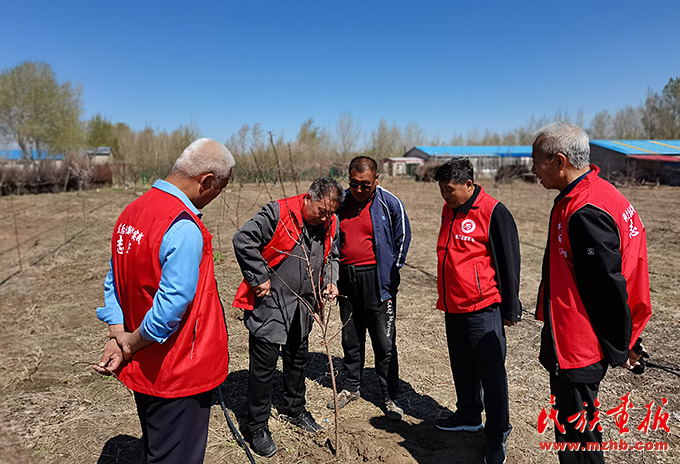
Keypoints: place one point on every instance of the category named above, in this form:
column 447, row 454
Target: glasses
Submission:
column 364, row 185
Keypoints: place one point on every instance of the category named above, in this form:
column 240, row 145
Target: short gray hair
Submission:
column 326, row 187
column 458, row 170
column 566, row 138
column 205, row 155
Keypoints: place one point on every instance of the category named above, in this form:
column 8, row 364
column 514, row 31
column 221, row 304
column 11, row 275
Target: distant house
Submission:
column 404, row 166
column 99, row 155
column 650, row 160
column 16, row 157
column 485, row 159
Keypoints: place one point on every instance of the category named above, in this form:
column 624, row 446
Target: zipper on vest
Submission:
column 547, row 307
column 479, row 286
column 193, row 341
column 446, row 253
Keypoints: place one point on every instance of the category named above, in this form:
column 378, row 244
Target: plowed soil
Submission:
column 54, row 253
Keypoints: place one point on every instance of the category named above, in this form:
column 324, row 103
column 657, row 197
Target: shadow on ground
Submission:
column 122, row 449
column 422, row 440
column 429, row 445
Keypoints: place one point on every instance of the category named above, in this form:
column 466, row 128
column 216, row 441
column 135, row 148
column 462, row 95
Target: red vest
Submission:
column 576, row 344
column 285, row 237
column 466, row 278
column 194, row 359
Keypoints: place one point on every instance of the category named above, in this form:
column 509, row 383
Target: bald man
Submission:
column 168, row 338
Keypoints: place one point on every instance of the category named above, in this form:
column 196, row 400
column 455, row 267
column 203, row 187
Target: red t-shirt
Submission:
column 356, row 233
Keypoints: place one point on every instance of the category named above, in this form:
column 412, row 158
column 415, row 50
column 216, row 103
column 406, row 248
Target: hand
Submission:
column 111, row 359
column 263, row 289
column 130, row 342
column 330, row 292
column 632, row 361
column 509, row 323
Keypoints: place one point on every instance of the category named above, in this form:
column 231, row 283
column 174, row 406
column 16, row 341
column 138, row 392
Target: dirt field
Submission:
column 55, row 409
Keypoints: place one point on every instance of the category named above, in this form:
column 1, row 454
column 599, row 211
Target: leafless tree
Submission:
column 348, row 132
column 600, row 126
column 413, row 136
column 386, row 141
column 627, row 123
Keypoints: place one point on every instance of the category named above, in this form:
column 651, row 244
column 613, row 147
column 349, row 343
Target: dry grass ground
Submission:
column 54, row 408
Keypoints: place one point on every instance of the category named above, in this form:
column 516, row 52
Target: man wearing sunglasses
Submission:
column 374, row 239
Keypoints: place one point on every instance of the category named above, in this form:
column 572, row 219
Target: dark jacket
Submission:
column 391, row 235
column 292, row 291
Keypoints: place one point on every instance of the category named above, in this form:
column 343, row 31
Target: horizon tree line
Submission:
column 39, row 113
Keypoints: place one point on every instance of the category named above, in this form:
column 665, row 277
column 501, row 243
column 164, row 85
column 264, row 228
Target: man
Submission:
column 594, row 295
column 166, row 324
column 478, row 284
column 374, row 240
column 288, row 256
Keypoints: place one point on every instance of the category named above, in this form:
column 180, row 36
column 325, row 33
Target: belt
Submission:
column 360, row 268
column 351, row 271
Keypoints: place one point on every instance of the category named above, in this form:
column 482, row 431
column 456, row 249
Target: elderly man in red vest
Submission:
column 478, row 284
column 594, row 296
column 289, row 259
column 166, row 324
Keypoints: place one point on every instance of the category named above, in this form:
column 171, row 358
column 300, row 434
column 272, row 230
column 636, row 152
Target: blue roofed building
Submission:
column 95, row 155
column 649, row 160
column 486, row 160
column 17, row 155
column 655, row 161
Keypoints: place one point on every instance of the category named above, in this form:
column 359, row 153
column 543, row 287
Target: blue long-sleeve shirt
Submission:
column 180, row 255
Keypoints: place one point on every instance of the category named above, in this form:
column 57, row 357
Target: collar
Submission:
column 167, row 187
column 567, row 190
column 363, row 205
column 350, row 199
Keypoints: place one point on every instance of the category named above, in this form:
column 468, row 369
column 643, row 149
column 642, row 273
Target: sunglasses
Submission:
column 364, row 185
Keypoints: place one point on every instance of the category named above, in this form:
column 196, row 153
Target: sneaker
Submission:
column 453, row 423
column 392, row 411
column 261, row 442
column 305, row 421
column 496, row 455
column 344, row 397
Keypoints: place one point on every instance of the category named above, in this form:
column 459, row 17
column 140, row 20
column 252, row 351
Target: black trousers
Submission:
column 477, row 350
column 363, row 311
column 263, row 358
column 569, row 400
column 174, row 430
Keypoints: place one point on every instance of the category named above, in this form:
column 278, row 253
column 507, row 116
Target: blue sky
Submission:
column 448, row 66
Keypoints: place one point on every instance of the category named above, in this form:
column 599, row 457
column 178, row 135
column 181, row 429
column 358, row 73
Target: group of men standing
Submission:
column 168, row 339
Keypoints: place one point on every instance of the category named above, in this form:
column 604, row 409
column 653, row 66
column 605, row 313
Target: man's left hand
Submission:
column 632, row 361
column 130, row 342
column 508, row 322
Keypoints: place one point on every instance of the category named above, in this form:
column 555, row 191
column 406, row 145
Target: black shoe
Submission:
column 305, row 421
column 496, row 455
column 261, row 442
column 453, row 423
column 392, row 411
